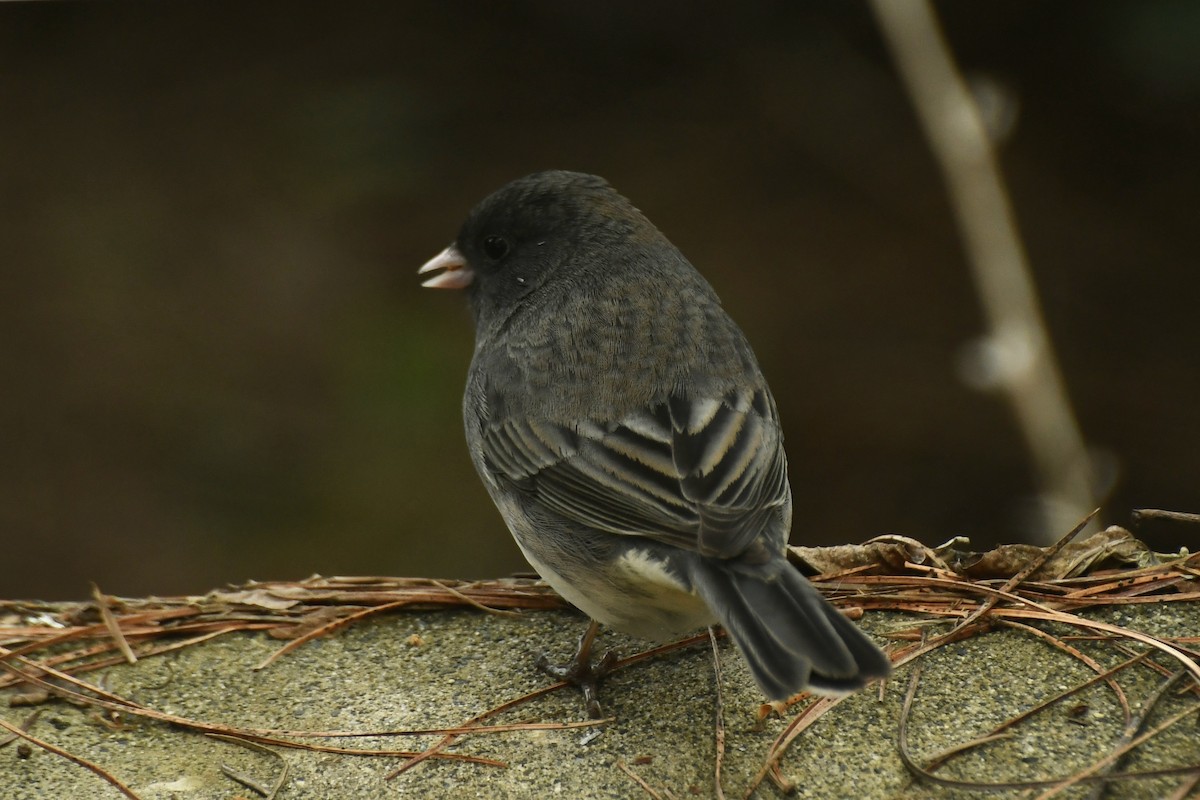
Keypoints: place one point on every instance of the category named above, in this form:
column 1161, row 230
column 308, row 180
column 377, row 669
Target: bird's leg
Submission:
column 580, row 670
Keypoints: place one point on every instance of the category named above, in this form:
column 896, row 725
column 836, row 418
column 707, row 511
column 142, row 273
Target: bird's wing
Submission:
column 704, row 474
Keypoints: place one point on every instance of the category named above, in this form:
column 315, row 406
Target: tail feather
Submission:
column 775, row 671
column 796, row 616
column 791, row 637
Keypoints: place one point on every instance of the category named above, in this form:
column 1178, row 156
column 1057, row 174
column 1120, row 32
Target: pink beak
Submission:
column 457, row 274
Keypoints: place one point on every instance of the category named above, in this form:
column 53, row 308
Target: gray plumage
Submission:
column 621, row 424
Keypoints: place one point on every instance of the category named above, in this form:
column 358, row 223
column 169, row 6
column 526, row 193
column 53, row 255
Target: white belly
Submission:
column 635, row 596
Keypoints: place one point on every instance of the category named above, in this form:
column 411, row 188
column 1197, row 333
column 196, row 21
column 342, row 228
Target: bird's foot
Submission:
column 581, row 672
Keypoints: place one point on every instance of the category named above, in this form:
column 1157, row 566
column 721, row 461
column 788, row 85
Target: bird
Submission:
column 621, row 424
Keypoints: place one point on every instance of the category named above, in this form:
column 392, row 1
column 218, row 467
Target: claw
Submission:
column 581, row 672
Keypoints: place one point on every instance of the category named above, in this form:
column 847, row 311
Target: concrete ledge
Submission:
column 438, row 668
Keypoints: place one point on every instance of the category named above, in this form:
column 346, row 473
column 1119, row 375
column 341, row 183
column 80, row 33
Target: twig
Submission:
column 451, row 738
column 271, row 793
column 350, row 751
column 245, row 780
column 1140, row 514
column 794, row 728
column 1027, row 369
column 1090, row 773
column 621, row 765
column 1027, row 570
column 1185, row 788
column 719, row 710
column 1070, row 619
column 499, row 612
column 1134, row 726
column 1090, row 662
column 463, row 730
column 110, row 622
column 1055, row 786
column 125, row 706
column 80, row 760
column 5, row 741
column 332, row 626
column 937, row 761
column 105, row 698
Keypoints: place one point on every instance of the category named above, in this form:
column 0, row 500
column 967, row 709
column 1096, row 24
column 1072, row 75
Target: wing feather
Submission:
column 705, row 474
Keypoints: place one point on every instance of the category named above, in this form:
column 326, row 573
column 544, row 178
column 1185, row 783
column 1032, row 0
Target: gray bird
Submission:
column 621, row 424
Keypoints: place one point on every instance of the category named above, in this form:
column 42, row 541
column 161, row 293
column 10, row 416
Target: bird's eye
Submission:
column 496, row 247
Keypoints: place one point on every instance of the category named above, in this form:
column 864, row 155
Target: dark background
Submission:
column 216, row 362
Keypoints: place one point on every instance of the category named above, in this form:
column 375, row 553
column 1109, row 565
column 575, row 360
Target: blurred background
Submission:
column 216, row 362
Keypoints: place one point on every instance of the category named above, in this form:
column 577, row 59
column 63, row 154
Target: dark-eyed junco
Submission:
column 622, row 426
